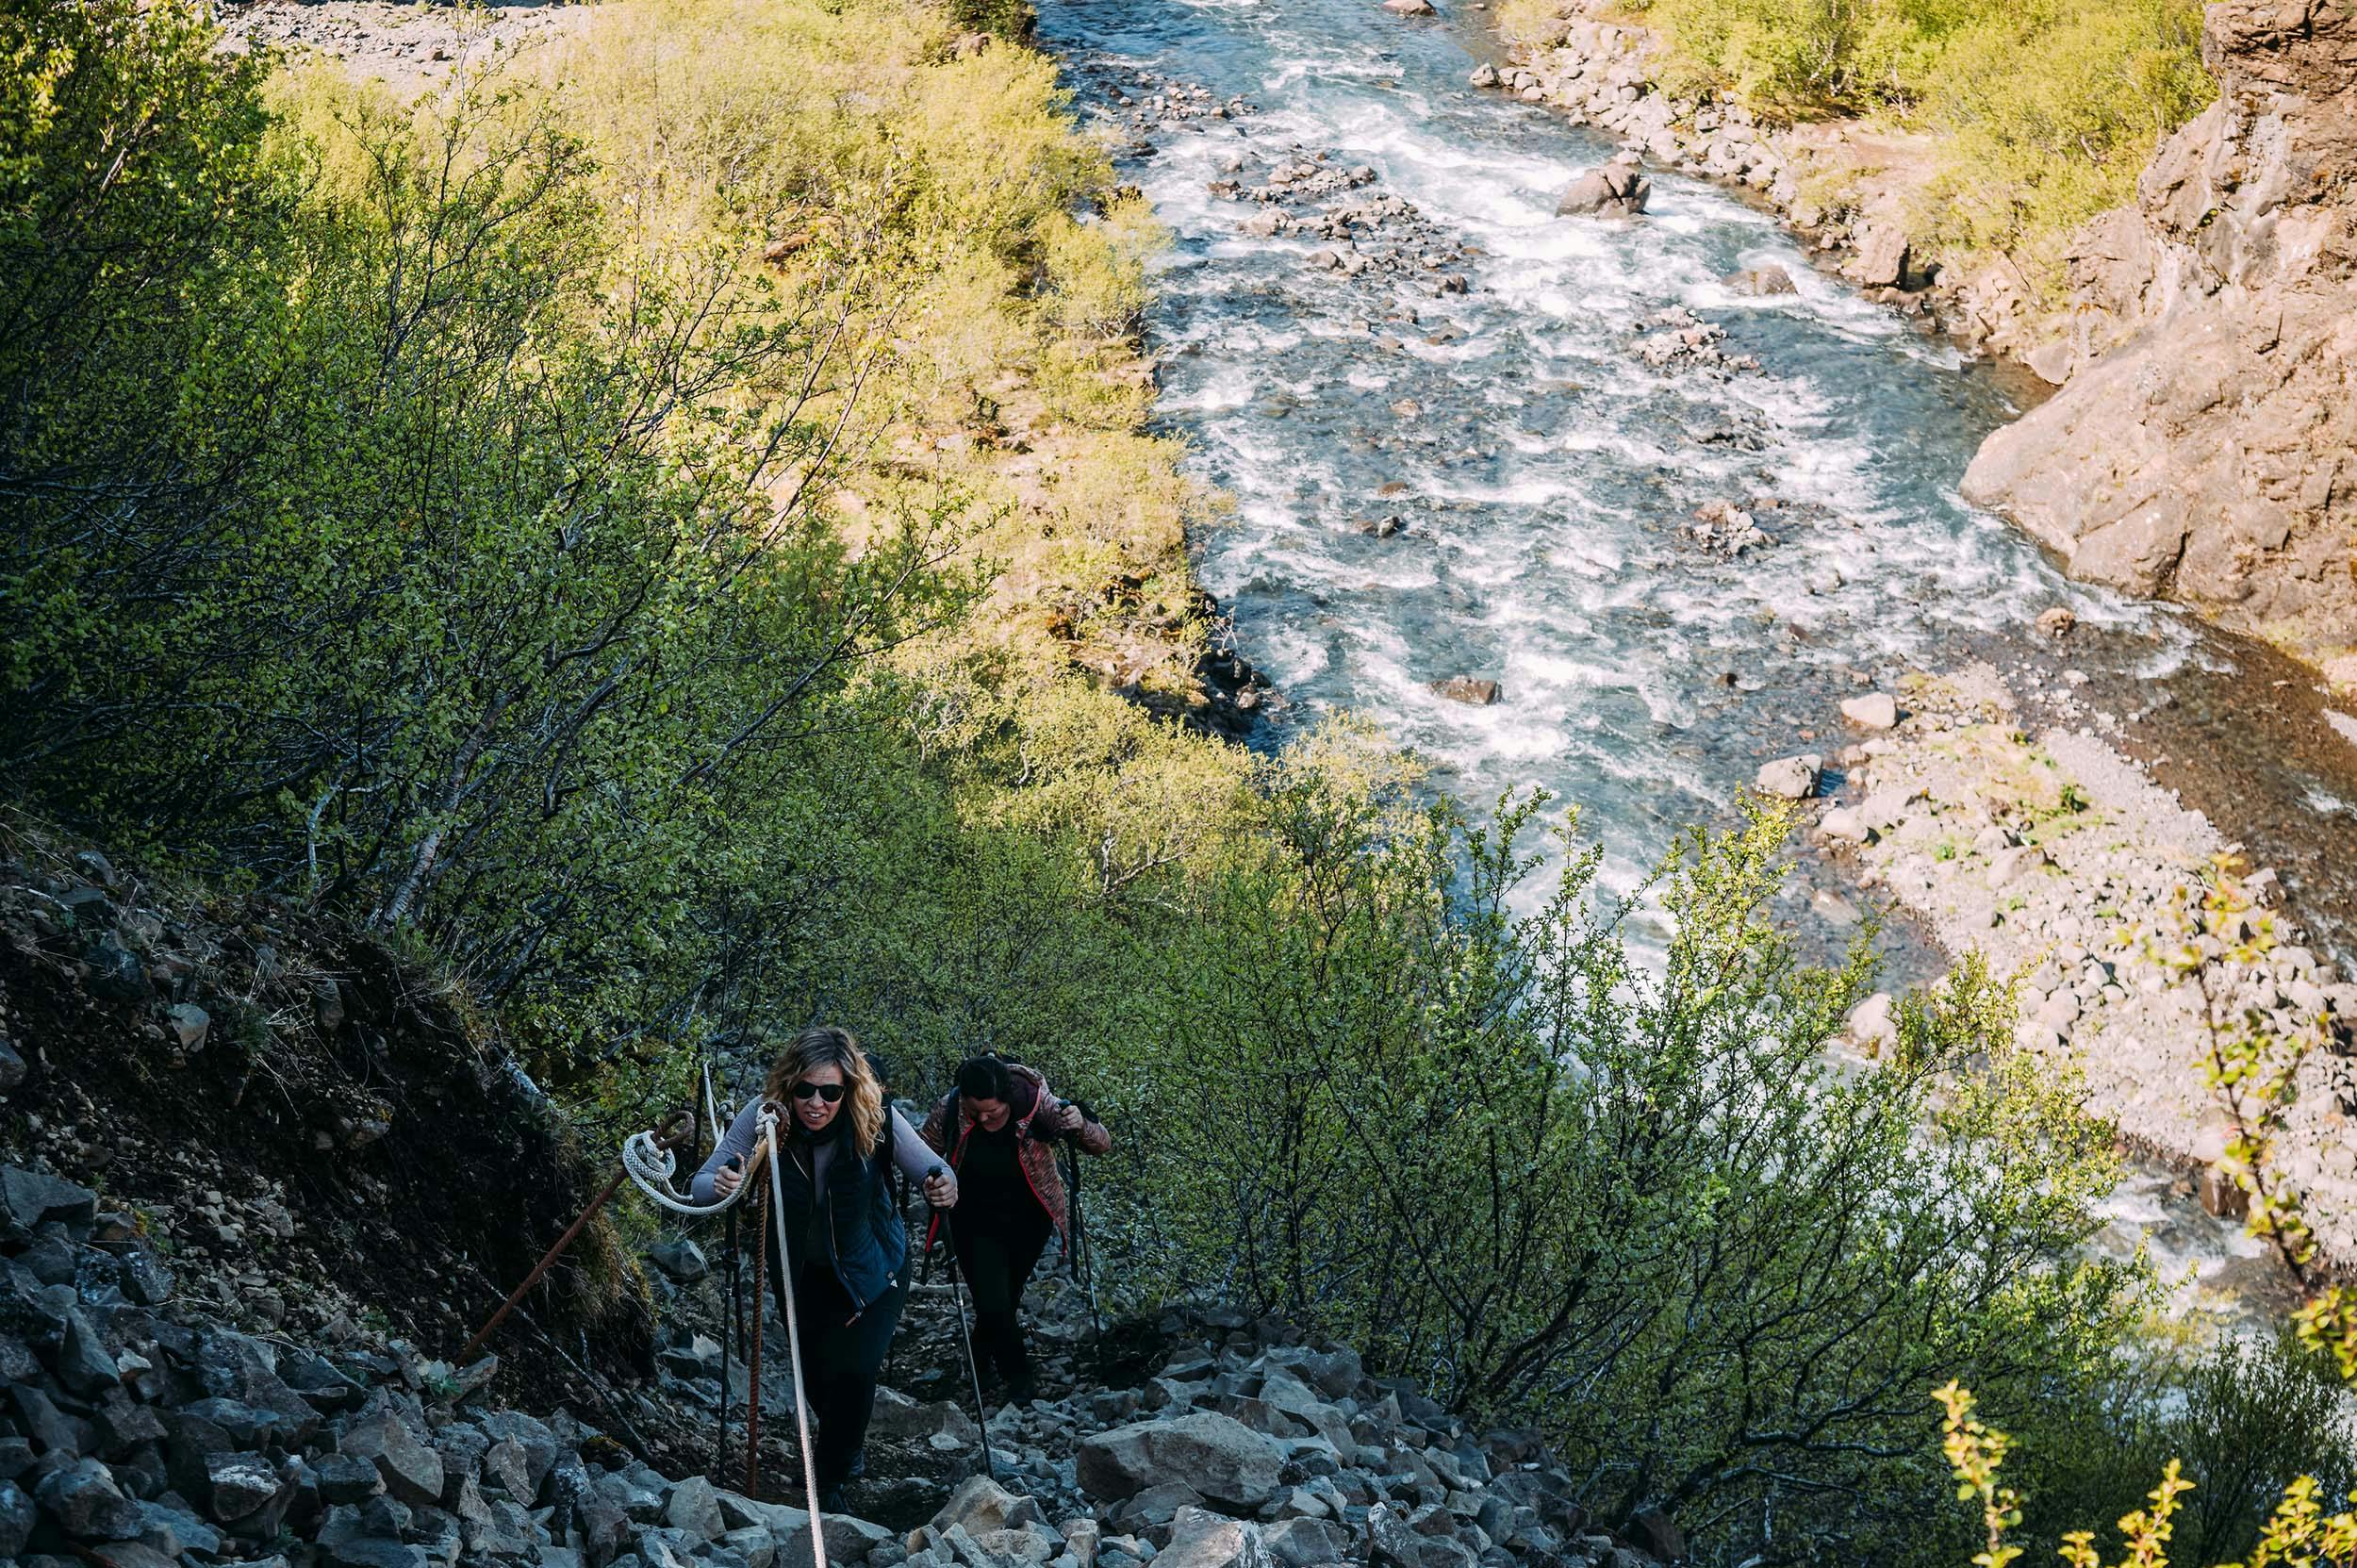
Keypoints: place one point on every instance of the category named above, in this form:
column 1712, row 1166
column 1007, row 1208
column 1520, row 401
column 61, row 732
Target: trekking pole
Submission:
column 669, row 1135
column 957, row 1290
column 761, row 1332
column 787, row 1284
column 729, row 1326
column 1084, row 1250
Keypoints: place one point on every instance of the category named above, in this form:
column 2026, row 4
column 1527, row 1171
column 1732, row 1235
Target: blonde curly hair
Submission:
column 833, row 1045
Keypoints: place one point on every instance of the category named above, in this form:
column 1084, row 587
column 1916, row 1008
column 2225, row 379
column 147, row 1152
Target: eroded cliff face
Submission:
column 2205, row 446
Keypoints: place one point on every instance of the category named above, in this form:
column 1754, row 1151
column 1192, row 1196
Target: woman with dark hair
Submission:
column 849, row 1263
column 999, row 1127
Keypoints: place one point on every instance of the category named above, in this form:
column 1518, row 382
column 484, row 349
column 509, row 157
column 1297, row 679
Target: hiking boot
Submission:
column 832, row 1501
column 1023, row 1387
column 859, row 1464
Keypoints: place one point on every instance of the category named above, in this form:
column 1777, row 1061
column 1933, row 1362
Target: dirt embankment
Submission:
column 313, row 1132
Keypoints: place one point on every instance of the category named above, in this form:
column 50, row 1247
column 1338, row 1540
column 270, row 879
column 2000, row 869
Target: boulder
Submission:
column 680, row 1258
column 695, row 1509
column 982, row 1505
column 1201, row 1540
column 1222, row 1458
column 1485, row 74
column 1302, row 1542
column 1790, row 778
column 1615, row 190
column 1876, row 710
column 1411, row 8
column 240, row 1485
column 412, row 1471
column 190, row 1025
column 1872, row 1025
column 86, row 1504
column 16, row 1520
column 31, row 1198
column 1762, row 282
column 1467, row 688
column 1882, row 256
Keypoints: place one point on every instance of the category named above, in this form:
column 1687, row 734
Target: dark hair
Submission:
column 985, row 1078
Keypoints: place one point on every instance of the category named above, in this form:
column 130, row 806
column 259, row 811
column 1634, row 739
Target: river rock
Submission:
column 1762, row 282
column 1614, row 190
column 1485, row 74
column 1225, row 1461
column 1876, row 710
column 1882, row 256
column 1790, row 778
column 1467, row 688
column 1411, row 8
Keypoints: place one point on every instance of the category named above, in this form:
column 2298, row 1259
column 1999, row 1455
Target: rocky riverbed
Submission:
column 2042, row 847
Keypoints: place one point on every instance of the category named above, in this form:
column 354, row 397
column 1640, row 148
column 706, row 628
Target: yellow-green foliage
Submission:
column 2054, row 107
column 2051, row 107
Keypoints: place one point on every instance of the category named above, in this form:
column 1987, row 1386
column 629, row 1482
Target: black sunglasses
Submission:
column 828, row 1092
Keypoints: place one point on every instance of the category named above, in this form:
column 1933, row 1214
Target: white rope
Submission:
column 651, row 1167
column 793, row 1338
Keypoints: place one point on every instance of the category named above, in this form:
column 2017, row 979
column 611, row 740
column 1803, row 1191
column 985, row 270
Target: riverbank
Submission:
column 2034, row 842
column 2197, row 450
column 1854, row 191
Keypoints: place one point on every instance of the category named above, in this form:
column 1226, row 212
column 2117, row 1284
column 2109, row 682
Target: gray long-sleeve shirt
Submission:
column 909, row 1152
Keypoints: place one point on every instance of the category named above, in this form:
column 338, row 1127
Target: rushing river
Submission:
column 1542, row 479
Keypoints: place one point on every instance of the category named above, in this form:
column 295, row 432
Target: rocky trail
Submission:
column 257, row 1178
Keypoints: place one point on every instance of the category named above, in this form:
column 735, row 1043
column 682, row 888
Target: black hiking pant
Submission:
column 997, row 1258
column 840, row 1362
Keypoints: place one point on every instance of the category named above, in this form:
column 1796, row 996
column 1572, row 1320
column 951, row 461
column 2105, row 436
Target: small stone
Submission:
column 2057, row 621
column 190, row 1024
column 680, row 1258
column 1467, row 688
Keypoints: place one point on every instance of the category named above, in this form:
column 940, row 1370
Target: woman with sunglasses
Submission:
column 849, row 1262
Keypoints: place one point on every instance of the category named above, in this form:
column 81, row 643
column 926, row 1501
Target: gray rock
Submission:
column 16, row 1519
column 534, row 1437
column 1762, row 282
column 12, row 1068
column 190, row 1024
column 86, row 1504
column 1219, row 1457
column 695, row 1509
column 31, row 1198
column 680, row 1258
column 240, row 1484
column 1304, row 1542
column 982, row 1505
column 1876, row 710
column 347, row 1478
column 371, row 1551
column 1201, row 1540
column 412, row 1471
column 1790, row 778
column 81, row 1363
